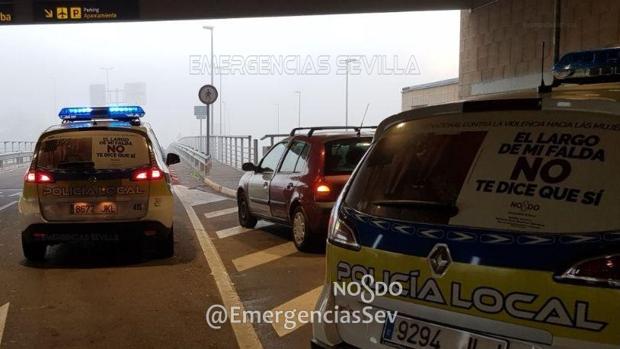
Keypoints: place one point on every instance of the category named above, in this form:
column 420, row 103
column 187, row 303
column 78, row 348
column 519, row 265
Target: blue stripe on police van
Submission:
column 614, row 236
column 536, row 251
column 461, row 236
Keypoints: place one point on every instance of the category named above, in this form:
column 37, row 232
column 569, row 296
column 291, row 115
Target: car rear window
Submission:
column 547, row 171
column 93, row 149
column 343, row 155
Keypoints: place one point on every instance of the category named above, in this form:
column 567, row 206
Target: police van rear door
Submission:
column 90, row 175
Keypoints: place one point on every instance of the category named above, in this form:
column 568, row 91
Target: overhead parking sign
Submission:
column 6, row 13
column 86, row 10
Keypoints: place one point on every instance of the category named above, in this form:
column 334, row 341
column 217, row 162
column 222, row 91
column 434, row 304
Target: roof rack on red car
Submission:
column 321, row 128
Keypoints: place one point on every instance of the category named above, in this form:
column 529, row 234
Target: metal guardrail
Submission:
column 16, row 158
column 17, row 146
column 273, row 137
column 201, row 162
column 229, row 150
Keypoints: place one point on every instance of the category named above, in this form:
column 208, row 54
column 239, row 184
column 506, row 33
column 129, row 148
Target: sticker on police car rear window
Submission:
column 98, row 149
column 551, row 173
column 544, row 171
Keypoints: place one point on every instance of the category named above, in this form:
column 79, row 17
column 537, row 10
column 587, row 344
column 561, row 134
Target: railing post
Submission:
column 242, row 149
column 256, row 151
column 230, row 150
column 236, row 152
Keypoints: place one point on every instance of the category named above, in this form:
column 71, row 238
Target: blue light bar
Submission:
column 114, row 113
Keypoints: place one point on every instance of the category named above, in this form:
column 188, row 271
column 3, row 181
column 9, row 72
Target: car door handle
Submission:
column 265, row 185
column 289, row 186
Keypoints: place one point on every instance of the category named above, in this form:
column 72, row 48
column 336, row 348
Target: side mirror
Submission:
column 172, row 159
column 248, row 166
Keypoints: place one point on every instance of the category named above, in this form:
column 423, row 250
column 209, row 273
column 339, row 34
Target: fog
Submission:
column 46, row 67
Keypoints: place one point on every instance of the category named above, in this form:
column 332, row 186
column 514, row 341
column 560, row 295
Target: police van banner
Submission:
column 544, row 171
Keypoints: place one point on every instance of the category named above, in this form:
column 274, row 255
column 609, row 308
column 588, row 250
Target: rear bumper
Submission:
column 74, row 232
column 315, row 344
column 318, row 215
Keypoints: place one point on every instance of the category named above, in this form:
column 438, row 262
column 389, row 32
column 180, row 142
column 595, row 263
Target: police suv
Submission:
column 100, row 175
column 500, row 219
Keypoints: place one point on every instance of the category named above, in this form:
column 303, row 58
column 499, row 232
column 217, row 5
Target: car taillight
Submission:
column 340, row 234
column 601, row 271
column 324, row 192
column 146, row 174
column 39, row 177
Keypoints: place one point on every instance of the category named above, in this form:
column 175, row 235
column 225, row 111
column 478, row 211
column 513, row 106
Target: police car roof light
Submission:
column 115, row 113
column 587, row 67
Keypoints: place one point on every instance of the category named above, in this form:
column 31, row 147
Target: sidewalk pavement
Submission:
column 223, row 178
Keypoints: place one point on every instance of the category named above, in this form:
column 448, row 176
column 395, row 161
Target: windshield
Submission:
column 342, row 156
column 98, row 150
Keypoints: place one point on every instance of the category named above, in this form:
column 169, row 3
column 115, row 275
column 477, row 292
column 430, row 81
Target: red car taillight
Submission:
column 602, row 271
column 147, row 174
column 38, row 176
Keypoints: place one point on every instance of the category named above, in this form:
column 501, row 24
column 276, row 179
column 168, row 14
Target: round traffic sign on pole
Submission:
column 208, row 94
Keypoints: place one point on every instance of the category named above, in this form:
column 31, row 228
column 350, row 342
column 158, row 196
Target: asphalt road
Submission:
column 111, row 295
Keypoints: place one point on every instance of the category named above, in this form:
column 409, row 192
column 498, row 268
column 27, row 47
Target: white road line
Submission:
column 305, row 302
column 7, row 205
column 4, row 311
column 226, row 233
column 221, row 212
column 244, row 332
column 261, row 257
column 16, row 194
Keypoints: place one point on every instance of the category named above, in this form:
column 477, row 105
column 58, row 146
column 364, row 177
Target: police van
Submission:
column 500, row 218
column 100, row 175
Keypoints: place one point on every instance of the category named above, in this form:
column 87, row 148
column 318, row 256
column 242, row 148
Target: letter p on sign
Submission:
column 76, row 13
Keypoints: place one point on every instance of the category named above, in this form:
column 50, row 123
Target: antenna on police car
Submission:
column 543, row 88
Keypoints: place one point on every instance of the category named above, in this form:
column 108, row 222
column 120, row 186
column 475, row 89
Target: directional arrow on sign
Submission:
column 49, row 13
column 4, row 311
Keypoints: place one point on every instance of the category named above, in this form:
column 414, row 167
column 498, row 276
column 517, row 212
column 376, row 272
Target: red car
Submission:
column 298, row 181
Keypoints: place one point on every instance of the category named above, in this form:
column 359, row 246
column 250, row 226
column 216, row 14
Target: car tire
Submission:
column 246, row 219
column 165, row 247
column 34, row 251
column 302, row 236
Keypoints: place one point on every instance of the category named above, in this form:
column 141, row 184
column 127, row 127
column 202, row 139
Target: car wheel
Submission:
column 246, row 219
column 302, row 236
column 34, row 251
column 165, row 247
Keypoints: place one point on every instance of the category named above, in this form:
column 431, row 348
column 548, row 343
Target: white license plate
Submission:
column 85, row 209
column 406, row 332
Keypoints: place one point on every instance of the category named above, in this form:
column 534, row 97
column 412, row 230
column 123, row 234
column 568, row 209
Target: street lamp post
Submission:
column 346, row 98
column 220, row 92
column 298, row 108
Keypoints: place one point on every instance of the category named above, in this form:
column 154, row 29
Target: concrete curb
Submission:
column 220, row 188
